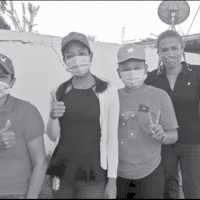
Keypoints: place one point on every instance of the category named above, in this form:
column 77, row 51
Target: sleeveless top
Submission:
column 78, row 151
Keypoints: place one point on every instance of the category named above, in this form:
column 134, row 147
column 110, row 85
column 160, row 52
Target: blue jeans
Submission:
column 188, row 156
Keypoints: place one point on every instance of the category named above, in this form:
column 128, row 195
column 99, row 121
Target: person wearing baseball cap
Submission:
column 84, row 123
column 147, row 120
column 75, row 36
column 6, row 64
column 22, row 161
column 7, row 79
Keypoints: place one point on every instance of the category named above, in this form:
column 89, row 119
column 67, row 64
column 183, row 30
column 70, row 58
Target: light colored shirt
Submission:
column 109, row 119
column 139, row 153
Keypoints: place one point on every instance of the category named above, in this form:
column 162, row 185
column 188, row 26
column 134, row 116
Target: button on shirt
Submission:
column 185, row 98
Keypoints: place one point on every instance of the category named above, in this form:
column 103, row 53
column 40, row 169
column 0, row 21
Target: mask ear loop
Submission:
column 159, row 66
column 184, row 57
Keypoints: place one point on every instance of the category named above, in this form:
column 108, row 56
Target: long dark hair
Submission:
column 101, row 86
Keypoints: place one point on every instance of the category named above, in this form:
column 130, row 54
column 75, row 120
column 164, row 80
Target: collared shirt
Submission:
column 185, row 98
column 15, row 163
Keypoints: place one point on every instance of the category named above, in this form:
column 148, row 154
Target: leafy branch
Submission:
column 27, row 23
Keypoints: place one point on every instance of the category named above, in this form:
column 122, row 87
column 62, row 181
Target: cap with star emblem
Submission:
column 6, row 63
column 76, row 37
column 129, row 51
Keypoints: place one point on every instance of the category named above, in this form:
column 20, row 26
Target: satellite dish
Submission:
column 173, row 12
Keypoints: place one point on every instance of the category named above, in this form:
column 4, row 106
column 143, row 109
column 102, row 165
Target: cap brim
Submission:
column 130, row 59
column 5, row 68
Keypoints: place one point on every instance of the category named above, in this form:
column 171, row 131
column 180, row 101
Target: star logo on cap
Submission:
column 130, row 50
column 3, row 59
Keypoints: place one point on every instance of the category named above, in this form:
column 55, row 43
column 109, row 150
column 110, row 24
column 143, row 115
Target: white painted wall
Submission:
column 39, row 67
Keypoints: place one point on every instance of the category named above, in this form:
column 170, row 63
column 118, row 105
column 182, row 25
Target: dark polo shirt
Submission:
column 15, row 163
column 185, row 98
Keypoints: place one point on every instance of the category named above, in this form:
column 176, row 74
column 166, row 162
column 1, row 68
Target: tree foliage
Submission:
column 29, row 14
column 3, row 6
column 3, row 24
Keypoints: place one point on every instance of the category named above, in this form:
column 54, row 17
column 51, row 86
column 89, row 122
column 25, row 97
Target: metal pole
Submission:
column 193, row 20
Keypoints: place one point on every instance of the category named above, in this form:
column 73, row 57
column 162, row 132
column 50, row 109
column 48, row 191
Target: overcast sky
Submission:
column 105, row 19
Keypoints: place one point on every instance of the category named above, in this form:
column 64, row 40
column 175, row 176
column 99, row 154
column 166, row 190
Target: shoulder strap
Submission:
column 62, row 88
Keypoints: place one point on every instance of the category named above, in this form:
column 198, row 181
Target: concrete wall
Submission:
column 39, row 66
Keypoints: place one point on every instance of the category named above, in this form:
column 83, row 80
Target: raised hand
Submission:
column 156, row 130
column 58, row 108
column 7, row 138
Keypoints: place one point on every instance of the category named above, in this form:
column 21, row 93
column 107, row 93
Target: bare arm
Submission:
column 57, row 109
column 38, row 158
column 170, row 137
column 165, row 137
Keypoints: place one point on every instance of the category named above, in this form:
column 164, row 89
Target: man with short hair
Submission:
column 22, row 154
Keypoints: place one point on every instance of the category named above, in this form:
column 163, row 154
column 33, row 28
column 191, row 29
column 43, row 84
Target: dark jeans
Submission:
column 150, row 187
column 188, row 156
column 80, row 190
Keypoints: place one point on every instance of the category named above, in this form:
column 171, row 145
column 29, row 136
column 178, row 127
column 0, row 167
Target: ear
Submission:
column 12, row 82
column 182, row 49
column 63, row 59
column 159, row 56
column 91, row 56
column 146, row 68
column 118, row 73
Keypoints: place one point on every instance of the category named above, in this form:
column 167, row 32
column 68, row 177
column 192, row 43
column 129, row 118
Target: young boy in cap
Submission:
column 22, row 153
column 84, row 122
column 147, row 120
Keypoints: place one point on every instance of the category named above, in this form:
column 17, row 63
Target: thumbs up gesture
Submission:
column 156, row 130
column 58, row 108
column 7, row 138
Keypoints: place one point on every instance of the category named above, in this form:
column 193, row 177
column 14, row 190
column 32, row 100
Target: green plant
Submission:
column 27, row 23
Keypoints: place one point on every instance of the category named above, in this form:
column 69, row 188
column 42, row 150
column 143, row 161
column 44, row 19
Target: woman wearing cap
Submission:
column 147, row 120
column 84, row 122
column 182, row 82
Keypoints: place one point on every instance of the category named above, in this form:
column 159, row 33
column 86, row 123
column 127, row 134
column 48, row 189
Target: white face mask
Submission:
column 4, row 89
column 133, row 78
column 78, row 65
column 172, row 61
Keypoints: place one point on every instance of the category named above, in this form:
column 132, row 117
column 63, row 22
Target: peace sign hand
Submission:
column 156, row 130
